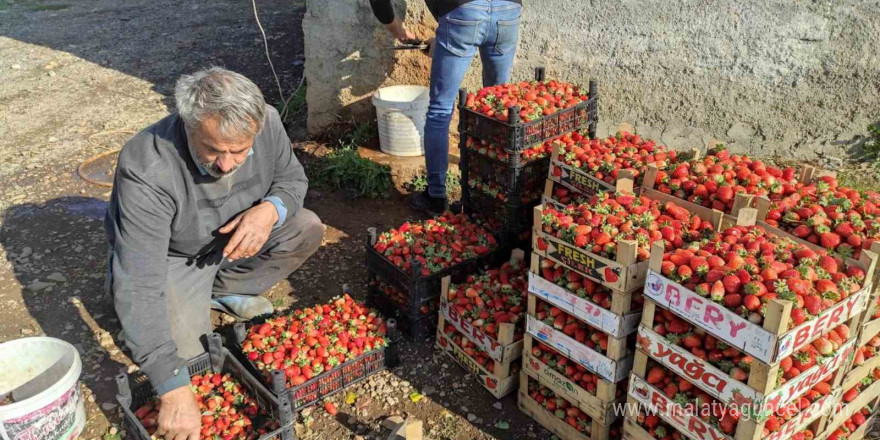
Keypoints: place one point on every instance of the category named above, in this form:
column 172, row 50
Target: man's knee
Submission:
column 306, row 232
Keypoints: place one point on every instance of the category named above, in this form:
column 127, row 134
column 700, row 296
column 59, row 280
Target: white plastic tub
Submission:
column 42, row 374
column 400, row 111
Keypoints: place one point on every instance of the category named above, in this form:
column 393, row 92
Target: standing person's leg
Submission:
column 459, row 34
column 238, row 285
column 499, row 49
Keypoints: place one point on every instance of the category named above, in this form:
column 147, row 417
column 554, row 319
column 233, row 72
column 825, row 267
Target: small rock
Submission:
column 358, row 437
column 498, row 406
column 464, row 409
column 108, row 406
column 405, row 384
column 91, row 399
column 56, row 276
column 26, row 252
column 352, row 420
column 26, row 331
column 429, row 390
column 16, row 66
column 51, row 73
column 306, row 412
column 392, row 422
column 442, row 393
column 471, row 417
column 113, row 431
column 38, row 285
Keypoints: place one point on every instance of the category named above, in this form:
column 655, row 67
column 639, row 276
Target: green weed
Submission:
column 345, row 169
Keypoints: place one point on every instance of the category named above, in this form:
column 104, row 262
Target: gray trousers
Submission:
column 191, row 285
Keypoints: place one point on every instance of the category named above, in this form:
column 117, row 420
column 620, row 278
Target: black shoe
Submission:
column 433, row 206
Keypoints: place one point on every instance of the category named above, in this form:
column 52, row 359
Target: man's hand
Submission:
column 402, row 34
column 252, row 229
column 179, row 416
column 430, row 50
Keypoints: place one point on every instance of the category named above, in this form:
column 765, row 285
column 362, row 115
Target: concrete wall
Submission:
column 777, row 77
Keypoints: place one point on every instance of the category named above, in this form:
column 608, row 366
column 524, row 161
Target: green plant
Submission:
column 345, row 169
column 294, row 106
column 358, row 135
column 872, row 145
column 420, row 183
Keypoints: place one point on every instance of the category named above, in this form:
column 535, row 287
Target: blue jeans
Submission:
column 490, row 25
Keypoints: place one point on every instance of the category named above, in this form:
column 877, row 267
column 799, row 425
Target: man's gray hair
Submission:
column 216, row 92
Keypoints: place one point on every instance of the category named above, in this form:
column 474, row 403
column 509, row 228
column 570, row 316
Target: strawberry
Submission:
column 850, row 395
column 655, row 376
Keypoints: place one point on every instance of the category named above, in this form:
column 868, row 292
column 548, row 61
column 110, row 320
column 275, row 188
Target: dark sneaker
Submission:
column 433, row 206
column 242, row 307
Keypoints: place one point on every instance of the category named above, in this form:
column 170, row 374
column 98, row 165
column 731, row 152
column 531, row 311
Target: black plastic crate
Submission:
column 325, row 384
column 406, row 307
column 415, row 328
column 510, row 221
column 516, row 135
column 514, row 177
column 135, row 390
column 419, row 288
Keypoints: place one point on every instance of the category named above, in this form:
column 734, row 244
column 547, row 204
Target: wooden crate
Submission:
column 621, row 320
column 549, row 197
column 613, row 366
column 869, row 396
column 551, row 422
column 692, row 426
column 599, row 406
column 578, row 180
column 504, row 349
column 768, row 343
column 499, row 382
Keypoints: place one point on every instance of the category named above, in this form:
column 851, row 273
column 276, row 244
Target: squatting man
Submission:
column 206, row 212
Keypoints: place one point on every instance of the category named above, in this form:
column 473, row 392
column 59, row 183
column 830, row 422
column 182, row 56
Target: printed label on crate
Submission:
column 590, row 359
column 701, row 373
column 805, row 381
column 715, row 319
column 495, row 385
column 583, row 309
column 827, row 320
column 492, row 347
column 797, row 423
column 578, row 180
column 687, row 423
column 581, row 261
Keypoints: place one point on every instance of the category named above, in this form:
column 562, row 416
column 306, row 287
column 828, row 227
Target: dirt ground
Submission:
column 77, row 79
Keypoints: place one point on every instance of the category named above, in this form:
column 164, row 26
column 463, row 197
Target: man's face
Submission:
column 218, row 155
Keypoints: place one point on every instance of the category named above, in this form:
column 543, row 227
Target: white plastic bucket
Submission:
column 42, row 374
column 401, row 111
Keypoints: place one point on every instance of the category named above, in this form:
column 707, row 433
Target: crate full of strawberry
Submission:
column 609, row 239
column 517, row 116
column 764, row 294
column 500, row 155
column 842, row 220
column 612, row 312
column 307, row 354
column 609, row 357
column 558, row 196
column 714, row 181
column 499, row 379
column 587, row 391
column 233, row 403
column 414, row 257
column 757, row 389
column 591, row 166
column 559, row 416
column 489, row 308
column 511, row 174
column 865, row 360
column 647, row 425
column 851, row 422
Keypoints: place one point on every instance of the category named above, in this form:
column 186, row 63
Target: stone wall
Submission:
column 779, row 77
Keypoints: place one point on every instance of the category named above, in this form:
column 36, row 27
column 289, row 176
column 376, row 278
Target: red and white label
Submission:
column 805, row 381
column 797, row 424
column 492, row 347
column 583, row 309
column 827, row 320
column 592, row 360
column 683, row 421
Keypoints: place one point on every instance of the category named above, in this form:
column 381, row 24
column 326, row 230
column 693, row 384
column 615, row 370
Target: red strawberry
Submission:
column 330, row 408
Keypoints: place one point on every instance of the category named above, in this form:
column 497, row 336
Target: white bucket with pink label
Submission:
column 39, row 391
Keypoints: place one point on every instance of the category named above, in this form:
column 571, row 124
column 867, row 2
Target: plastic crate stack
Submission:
column 481, row 324
column 761, row 371
column 273, row 415
column 411, row 294
column 504, row 163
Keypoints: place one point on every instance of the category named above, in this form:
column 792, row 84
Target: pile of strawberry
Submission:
column 564, row 410
column 436, row 243
column 656, row 427
column 840, row 219
column 492, row 298
column 568, row 197
column 852, row 393
column 608, row 218
column 535, row 99
column 825, row 346
column 745, row 267
column 785, row 413
column 308, row 342
column 867, row 351
column 583, row 286
column 572, row 370
column 692, row 399
column 228, row 412
column 849, row 426
column 714, row 180
column 495, row 190
column 401, row 298
column 474, row 352
column 572, row 327
column 605, row 158
column 495, row 151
